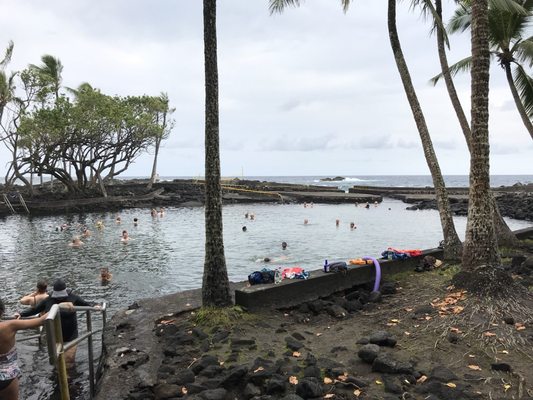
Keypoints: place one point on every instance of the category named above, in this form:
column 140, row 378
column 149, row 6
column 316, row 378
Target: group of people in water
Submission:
column 40, row 302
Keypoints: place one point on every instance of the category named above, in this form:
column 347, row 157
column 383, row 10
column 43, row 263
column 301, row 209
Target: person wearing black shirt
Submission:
column 69, row 320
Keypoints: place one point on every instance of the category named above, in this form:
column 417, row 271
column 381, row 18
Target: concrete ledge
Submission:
column 320, row 284
column 525, row 233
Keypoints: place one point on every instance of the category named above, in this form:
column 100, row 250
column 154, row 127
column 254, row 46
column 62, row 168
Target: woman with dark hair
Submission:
column 9, row 369
column 39, row 295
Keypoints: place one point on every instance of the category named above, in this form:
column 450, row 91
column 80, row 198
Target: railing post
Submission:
column 90, row 353
column 61, row 364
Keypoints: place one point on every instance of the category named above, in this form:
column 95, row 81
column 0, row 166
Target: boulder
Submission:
column 309, row 388
column 383, row 338
column 384, row 363
column 368, row 353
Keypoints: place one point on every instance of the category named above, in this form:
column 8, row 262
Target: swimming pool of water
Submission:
column 165, row 254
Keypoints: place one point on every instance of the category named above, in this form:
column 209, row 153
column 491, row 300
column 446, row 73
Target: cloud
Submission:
column 288, row 143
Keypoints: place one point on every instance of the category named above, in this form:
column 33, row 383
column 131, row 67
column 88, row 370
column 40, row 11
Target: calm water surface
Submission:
column 165, row 254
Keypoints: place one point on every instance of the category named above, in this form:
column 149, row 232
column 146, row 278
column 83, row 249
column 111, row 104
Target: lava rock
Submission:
column 337, row 311
column 508, row 320
column 383, row 338
column 197, row 332
column 276, row 386
column 184, row 376
column 298, row 336
column 312, row 371
column 251, row 391
column 214, row 394
column 391, row 385
column 501, row 367
column 388, row 288
column 375, row 297
column 203, row 363
column 442, row 374
column 384, row 363
column 220, row 336
column 424, row 309
column 309, row 388
column 234, row 376
column 293, row 344
column 368, row 353
column 166, row 391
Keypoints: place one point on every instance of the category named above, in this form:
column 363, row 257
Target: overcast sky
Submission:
column 313, row 91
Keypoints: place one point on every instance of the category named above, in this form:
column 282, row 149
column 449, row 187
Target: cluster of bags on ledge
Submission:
column 277, row 275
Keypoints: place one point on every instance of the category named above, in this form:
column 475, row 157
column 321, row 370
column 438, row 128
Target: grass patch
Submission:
column 226, row 317
column 450, row 270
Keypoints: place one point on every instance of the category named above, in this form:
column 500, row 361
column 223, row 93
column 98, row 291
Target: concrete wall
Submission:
column 291, row 292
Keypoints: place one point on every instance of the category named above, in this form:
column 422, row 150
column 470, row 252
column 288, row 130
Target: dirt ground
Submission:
column 428, row 344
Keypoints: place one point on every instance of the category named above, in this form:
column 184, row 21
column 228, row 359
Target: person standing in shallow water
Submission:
column 37, row 296
column 69, row 321
column 9, row 369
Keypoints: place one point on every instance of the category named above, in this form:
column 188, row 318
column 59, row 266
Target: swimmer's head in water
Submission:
column 2, row 308
column 244, row 229
column 266, row 259
column 283, row 245
column 135, row 220
column 42, row 284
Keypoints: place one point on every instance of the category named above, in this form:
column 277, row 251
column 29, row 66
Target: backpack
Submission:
column 263, row 276
column 339, row 266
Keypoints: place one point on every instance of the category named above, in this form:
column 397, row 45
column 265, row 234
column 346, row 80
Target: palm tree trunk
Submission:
column 480, row 247
column 215, row 284
column 154, row 165
column 505, row 235
column 452, row 244
column 516, row 97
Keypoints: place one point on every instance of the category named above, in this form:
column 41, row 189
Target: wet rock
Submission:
column 336, row 311
column 391, row 385
column 309, row 388
column 383, row 338
column 368, row 353
column 298, row 336
column 203, row 363
column 442, row 374
column 388, row 288
column 375, row 297
column 214, row 394
column 384, row 363
column 276, row 386
column 500, row 367
column 166, row 391
column 293, row 344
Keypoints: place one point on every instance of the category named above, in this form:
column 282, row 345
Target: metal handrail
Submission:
column 8, row 204
column 23, row 202
column 57, row 348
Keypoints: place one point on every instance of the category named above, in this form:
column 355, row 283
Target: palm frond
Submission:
column 7, row 55
column 461, row 19
column 524, row 85
column 428, row 11
column 460, row 66
column 510, row 6
column 277, row 6
column 523, row 51
column 345, row 5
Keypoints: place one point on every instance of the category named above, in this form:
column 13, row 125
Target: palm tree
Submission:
column 215, row 285
column 506, row 30
column 480, row 247
column 452, row 243
column 50, row 69
column 505, row 236
column 7, row 85
column 164, row 111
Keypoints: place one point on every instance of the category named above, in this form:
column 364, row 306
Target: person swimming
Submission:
column 105, row 275
column 99, row 224
column 244, row 229
column 118, row 220
column 125, row 236
column 85, row 232
column 352, row 226
column 283, row 245
column 337, row 222
column 306, row 221
column 153, row 212
column 76, row 242
column 135, row 221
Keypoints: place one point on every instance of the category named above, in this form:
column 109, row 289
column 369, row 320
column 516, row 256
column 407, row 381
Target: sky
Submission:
column 312, row 91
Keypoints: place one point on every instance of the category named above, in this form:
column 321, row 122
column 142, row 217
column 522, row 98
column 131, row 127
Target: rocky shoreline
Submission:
column 349, row 345
column 514, row 201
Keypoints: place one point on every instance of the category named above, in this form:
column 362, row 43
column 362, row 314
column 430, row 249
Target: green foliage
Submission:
column 226, row 317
